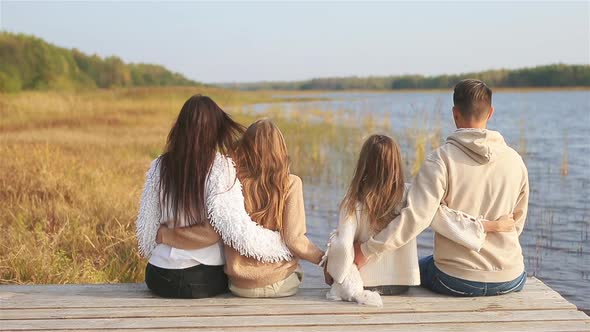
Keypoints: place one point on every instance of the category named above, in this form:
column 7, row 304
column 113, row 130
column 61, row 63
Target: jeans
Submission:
column 191, row 283
column 442, row 283
column 389, row 289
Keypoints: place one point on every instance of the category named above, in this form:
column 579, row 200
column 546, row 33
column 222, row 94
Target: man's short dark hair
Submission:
column 473, row 98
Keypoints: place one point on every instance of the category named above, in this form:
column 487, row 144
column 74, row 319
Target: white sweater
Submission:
column 400, row 266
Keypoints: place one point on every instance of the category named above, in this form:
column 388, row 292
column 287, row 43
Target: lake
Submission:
column 550, row 129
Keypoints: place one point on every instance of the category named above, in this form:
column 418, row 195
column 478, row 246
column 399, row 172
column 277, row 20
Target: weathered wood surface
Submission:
column 132, row 307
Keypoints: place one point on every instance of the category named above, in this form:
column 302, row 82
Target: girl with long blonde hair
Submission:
column 274, row 199
column 374, row 198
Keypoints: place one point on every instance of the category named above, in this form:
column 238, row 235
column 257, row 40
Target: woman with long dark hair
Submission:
column 193, row 183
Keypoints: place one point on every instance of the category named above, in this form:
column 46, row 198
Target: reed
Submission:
column 522, row 141
column 564, row 158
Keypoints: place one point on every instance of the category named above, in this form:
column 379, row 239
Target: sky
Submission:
column 218, row 42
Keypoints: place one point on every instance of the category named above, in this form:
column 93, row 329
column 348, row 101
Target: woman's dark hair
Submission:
column 202, row 129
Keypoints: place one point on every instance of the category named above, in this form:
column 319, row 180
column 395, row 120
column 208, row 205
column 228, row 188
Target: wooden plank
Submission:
column 450, row 305
column 140, row 291
column 533, row 284
column 295, row 320
column 100, row 297
column 233, row 310
column 542, row 326
column 389, row 301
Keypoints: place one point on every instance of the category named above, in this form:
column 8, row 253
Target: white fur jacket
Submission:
column 225, row 209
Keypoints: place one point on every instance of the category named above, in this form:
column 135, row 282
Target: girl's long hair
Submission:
column 202, row 129
column 377, row 183
column 263, row 169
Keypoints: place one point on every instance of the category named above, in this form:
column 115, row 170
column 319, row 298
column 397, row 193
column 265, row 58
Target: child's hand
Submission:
column 359, row 257
column 505, row 223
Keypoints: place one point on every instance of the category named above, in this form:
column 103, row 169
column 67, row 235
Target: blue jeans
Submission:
column 442, row 283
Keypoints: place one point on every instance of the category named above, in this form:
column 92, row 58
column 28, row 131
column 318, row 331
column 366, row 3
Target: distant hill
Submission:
column 30, row 63
column 557, row 75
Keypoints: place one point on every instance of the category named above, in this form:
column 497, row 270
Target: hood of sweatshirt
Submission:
column 482, row 145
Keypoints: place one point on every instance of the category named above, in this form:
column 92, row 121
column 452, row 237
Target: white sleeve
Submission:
column 340, row 251
column 150, row 214
column 227, row 214
column 459, row 227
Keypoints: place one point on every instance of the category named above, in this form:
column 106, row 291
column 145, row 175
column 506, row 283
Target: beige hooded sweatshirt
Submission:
column 475, row 172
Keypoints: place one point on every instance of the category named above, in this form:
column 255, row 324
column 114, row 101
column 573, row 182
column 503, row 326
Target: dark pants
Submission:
column 191, row 283
column 389, row 289
column 440, row 282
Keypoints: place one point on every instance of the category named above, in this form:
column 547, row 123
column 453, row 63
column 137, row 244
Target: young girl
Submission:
column 375, row 197
column 274, row 199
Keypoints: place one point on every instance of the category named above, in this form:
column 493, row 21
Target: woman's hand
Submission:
column 505, row 223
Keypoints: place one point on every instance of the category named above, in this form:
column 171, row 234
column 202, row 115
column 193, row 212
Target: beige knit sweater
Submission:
column 245, row 272
column 475, row 172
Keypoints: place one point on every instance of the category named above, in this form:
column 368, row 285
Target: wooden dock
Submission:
column 131, row 307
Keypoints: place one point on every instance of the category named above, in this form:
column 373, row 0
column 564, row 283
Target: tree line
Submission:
column 29, row 63
column 556, row 75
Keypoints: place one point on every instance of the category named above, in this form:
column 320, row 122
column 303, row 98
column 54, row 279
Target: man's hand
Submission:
column 359, row 257
column 505, row 223
column 327, row 277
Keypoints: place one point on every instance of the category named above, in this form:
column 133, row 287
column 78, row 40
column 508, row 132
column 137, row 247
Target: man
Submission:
column 476, row 172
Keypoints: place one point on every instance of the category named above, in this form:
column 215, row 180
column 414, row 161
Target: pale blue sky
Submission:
column 252, row 41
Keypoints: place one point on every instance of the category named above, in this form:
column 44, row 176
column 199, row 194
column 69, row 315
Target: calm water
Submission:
column 547, row 128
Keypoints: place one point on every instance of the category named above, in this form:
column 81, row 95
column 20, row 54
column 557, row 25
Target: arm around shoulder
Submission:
column 424, row 197
column 228, row 216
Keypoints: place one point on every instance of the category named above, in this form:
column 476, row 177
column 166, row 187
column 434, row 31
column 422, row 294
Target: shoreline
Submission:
column 501, row 89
